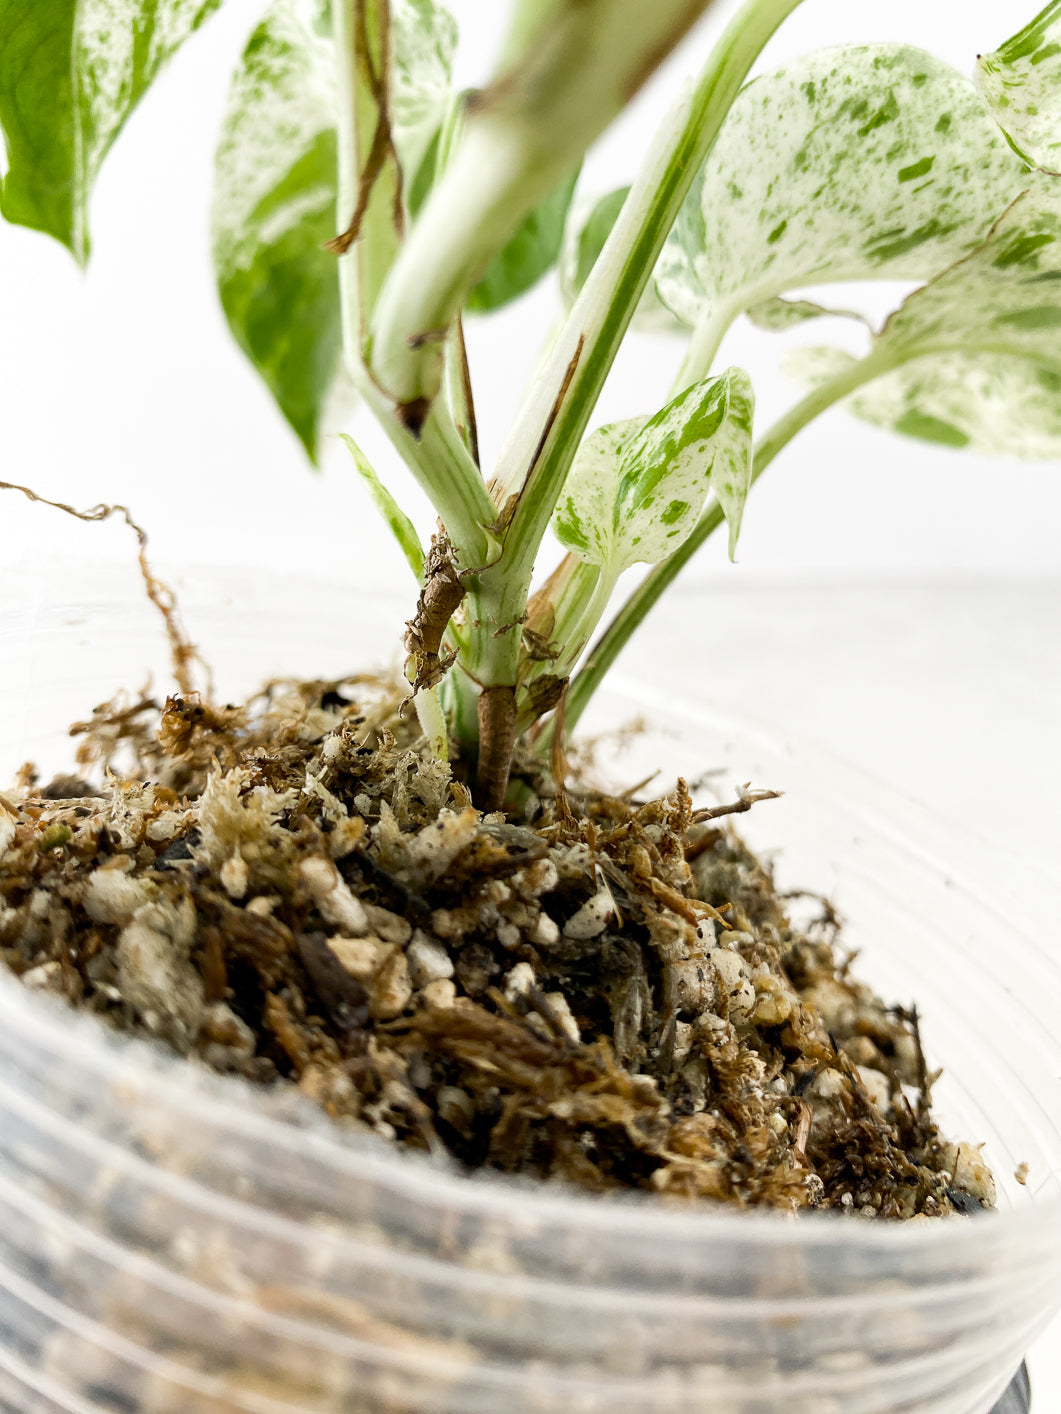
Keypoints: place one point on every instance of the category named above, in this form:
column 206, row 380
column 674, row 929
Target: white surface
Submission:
column 123, row 385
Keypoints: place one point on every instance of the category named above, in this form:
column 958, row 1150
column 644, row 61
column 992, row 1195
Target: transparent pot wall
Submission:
column 171, row 1243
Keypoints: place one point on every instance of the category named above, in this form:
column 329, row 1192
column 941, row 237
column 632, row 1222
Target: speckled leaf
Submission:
column 584, row 520
column 1021, row 83
column 700, row 442
column 731, row 470
column 998, row 404
column 863, row 162
column 424, row 42
column 529, row 252
column 637, row 488
column 275, row 188
column 274, row 207
column 71, row 72
column 777, row 315
column 980, row 347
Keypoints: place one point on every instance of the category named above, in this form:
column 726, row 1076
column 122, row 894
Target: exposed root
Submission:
column 182, row 651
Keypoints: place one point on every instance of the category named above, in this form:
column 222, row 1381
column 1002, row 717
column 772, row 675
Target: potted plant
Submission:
column 867, row 162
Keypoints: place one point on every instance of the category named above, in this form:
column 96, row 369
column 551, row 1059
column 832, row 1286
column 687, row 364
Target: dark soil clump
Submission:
column 606, row 991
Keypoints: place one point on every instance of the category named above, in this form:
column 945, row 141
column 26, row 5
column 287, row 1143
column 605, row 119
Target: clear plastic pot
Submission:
column 175, row 1243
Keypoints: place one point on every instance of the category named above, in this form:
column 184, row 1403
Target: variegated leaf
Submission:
column 731, row 470
column 274, row 207
column 776, row 315
column 699, row 442
column 637, row 488
column 976, row 354
column 863, row 162
column 423, row 45
column 71, row 72
column 991, row 403
column 1021, row 83
column 275, row 188
column 584, row 520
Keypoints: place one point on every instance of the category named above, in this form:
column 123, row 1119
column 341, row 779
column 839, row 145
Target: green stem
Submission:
column 703, row 347
column 570, row 67
column 436, row 453
column 441, row 462
column 432, row 721
column 539, row 453
column 362, row 41
column 615, row 637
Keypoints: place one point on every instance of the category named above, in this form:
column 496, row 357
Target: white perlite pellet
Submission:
column 332, row 895
column 428, row 960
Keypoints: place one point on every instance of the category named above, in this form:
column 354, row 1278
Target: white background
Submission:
column 123, row 385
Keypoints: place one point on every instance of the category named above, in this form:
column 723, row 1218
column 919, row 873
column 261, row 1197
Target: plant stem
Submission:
column 369, row 178
column 542, row 446
column 570, row 67
column 432, row 721
column 441, row 462
column 615, row 637
column 436, row 453
column 703, row 347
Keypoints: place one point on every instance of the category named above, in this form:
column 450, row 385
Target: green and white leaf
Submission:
column 1021, row 84
column 637, row 488
column 397, row 522
column 861, row 162
column 731, row 470
column 71, row 72
column 275, row 188
column 973, row 360
column 777, row 315
column 423, row 43
column 584, row 520
column 988, row 403
column 274, row 207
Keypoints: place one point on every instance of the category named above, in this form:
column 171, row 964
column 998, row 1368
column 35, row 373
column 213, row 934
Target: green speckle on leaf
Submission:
column 1022, row 249
column 916, row 169
column 889, row 249
column 886, row 113
column 931, row 429
column 944, row 123
column 1045, row 317
column 674, row 512
column 778, row 231
column 1046, row 52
